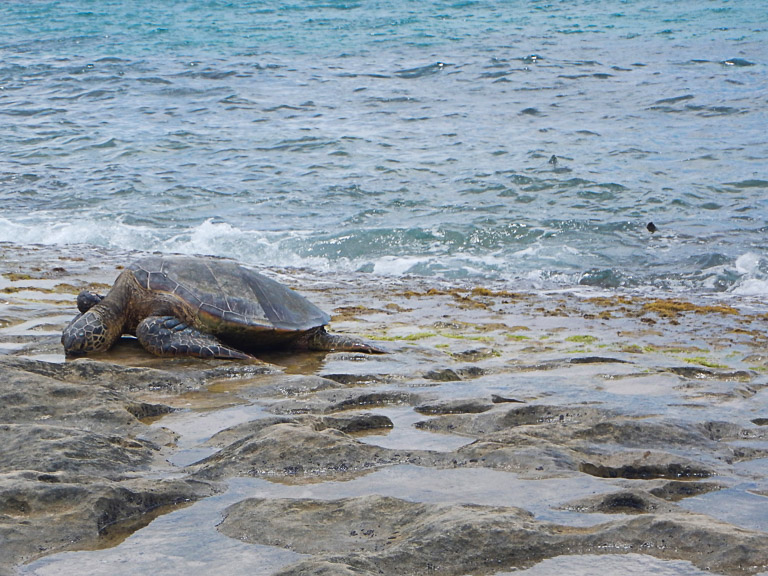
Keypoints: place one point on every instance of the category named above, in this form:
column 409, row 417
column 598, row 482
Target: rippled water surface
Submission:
column 513, row 141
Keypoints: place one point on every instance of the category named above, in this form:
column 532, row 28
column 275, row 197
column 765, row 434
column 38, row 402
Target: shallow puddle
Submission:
column 404, row 436
column 624, row 564
column 735, row 505
column 183, row 542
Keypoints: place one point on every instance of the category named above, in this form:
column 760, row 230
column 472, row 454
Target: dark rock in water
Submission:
column 649, row 466
column 738, row 62
column 677, row 490
column 695, row 372
column 443, row 375
column 422, row 71
column 371, row 399
column 356, row 379
column 651, row 227
column 475, row 354
column 598, row 360
column 628, row 503
column 624, row 502
column 144, row 410
column 380, row 535
column 719, row 431
column 497, row 399
column 468, row 372
column 521, row 425
column 353, row 424
column 455, row 407
column 236, row 434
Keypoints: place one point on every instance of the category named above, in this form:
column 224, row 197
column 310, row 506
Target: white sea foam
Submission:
column 209, row 237
column 747, row 263
column 106, row 233
column 398, row 266
column 542, row 264
column 752, row 287
column 253, row 247
column 753, row 281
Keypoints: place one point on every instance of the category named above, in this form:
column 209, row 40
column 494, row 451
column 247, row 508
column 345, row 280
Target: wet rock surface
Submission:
column 74, row 459
column 42, row 513
column 296, row 450
column 378, row 535
column 498, row 433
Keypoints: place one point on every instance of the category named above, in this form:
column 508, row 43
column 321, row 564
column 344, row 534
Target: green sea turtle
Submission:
column 204, row 307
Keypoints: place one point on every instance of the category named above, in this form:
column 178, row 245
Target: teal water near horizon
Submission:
column 520, row 142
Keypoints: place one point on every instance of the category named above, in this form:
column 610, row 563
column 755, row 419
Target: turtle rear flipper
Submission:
column 169, row 336
column 319, row 339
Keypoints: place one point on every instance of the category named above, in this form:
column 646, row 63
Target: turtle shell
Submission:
column 228, row 297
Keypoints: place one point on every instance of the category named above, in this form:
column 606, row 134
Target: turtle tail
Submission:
column 319, row 339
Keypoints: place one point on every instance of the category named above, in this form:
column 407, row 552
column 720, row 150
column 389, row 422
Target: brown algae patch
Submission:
column 673, row 308
column 62, row 288
column 473, row 298
column 354, row 312
column 479, row 291
column 605, row 301
column 16, row 276
column 663, row 307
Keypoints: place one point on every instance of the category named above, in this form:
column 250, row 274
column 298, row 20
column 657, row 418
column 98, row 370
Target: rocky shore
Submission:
column 505, row 431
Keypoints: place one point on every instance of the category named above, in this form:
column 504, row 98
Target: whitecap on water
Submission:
column 747, row 263
column 751, row 287
column 753, row 282
column 111, row 233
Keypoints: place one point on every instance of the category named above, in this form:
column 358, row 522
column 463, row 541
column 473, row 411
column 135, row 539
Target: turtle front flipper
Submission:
column 87, row 300
column 169, row 336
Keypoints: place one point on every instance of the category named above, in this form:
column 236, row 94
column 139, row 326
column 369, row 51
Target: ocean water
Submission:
column 516, row 142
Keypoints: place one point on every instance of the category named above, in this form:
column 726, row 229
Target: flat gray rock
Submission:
column 381, row 535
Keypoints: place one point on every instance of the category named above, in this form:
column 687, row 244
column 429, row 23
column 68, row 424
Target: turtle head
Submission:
column 94, row 330
column 101, row 319
column 85, row 334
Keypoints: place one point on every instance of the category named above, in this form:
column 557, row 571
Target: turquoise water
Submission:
column 397, row 137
